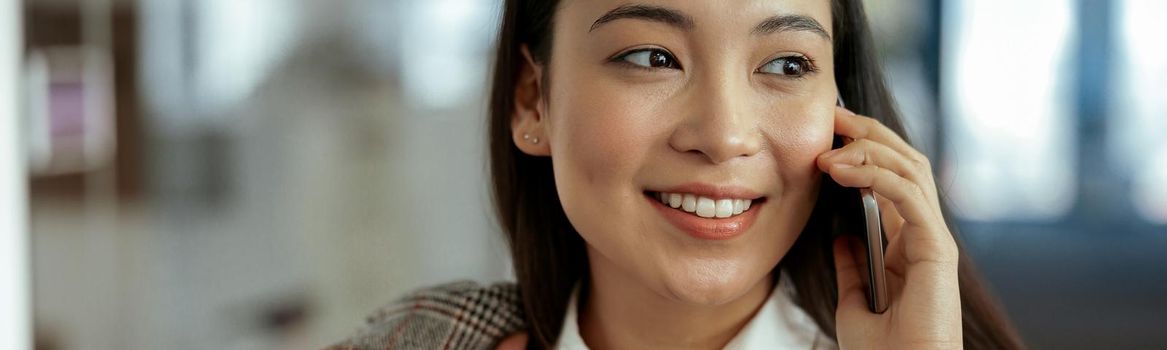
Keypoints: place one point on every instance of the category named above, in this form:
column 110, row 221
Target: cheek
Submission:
column 799, row 136
column 599, row 139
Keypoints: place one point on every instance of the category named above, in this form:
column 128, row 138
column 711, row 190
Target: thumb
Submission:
column 517, row 341
column 847, row 274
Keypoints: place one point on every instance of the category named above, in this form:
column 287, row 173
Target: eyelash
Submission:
column 622, row 58
column 808, row 64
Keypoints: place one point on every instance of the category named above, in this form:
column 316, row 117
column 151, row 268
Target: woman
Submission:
column 665, row 175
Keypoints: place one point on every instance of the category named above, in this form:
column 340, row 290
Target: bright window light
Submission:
column 445, row 52
column 1010, row 142
column 239, row 44
column 1138, row 113
column 15, row 321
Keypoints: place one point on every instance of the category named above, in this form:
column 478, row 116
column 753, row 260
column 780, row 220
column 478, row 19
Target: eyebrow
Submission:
column 646, row 12
column 782, row 23
column 775, row 24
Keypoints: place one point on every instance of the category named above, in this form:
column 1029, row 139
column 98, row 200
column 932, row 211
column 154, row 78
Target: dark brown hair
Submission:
column 549, row 256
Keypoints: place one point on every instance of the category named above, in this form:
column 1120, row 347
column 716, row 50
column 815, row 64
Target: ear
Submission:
column 529, row 122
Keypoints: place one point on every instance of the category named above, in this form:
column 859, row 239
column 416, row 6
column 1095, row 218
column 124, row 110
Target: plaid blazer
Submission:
column 458, row 315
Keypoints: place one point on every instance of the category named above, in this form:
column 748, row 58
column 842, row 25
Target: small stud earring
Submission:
column 526, row 136
column 535, row 140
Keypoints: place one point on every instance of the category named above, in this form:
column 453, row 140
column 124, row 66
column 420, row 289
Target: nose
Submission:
column 718, row 125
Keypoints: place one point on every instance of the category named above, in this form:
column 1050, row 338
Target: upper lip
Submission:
column 713, row 191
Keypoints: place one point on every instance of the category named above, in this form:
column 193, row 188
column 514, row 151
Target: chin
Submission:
column 710, row 281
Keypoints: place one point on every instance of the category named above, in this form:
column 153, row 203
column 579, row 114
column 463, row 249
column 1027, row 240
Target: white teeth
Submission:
column 724, row 208
column 689, row 203
column 704, row 206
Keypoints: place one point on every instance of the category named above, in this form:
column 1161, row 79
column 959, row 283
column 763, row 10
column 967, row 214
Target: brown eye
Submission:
column 791, row 66
column 650, row 58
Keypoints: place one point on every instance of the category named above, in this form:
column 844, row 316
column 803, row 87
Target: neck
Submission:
column 617, row 312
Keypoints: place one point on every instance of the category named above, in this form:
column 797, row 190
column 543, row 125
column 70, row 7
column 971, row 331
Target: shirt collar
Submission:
column 779, row 324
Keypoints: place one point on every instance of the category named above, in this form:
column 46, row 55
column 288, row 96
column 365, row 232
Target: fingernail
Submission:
column 843, row 166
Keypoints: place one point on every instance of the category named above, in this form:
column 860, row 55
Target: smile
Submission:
column 707, row 212
column 704, row 206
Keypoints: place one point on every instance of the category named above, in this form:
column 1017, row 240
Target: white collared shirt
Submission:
column 780, row 324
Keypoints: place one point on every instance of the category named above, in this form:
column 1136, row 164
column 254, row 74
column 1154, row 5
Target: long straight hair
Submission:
column 549, row 256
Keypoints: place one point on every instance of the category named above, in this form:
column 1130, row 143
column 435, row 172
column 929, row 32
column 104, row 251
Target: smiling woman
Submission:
column 666, row 177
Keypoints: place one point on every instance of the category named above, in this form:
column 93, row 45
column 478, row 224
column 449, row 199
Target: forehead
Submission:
column 707, row 15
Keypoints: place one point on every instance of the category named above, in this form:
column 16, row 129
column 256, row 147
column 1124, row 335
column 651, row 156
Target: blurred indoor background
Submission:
column 261, row 174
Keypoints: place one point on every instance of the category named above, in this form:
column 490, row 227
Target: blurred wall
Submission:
column 274, row 216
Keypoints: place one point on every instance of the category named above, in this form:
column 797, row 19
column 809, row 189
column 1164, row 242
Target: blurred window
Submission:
column 201, row 57
column 239, row 43
column 1139, row 111
column 1006, row 90
column 445, row 53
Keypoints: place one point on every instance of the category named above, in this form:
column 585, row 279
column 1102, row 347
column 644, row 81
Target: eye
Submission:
column 650, row 58
column 791, row 66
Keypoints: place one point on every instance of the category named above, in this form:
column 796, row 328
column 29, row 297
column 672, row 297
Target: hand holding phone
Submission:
column 874, row 244
column 928, row 306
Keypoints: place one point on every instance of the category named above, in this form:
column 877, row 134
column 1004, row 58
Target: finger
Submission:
column 855, row 126
column 517, row 341
column 866, row 151
column 893, row 257
column 924, row 239
column 893, row 224
column 847, row 275
column 891, row 219
column 908, row 198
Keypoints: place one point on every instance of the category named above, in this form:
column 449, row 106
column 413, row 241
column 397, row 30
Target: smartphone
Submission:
column 874, row 247
column 872, row 236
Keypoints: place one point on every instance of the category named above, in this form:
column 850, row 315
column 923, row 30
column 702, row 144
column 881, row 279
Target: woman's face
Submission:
column 712, row 103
